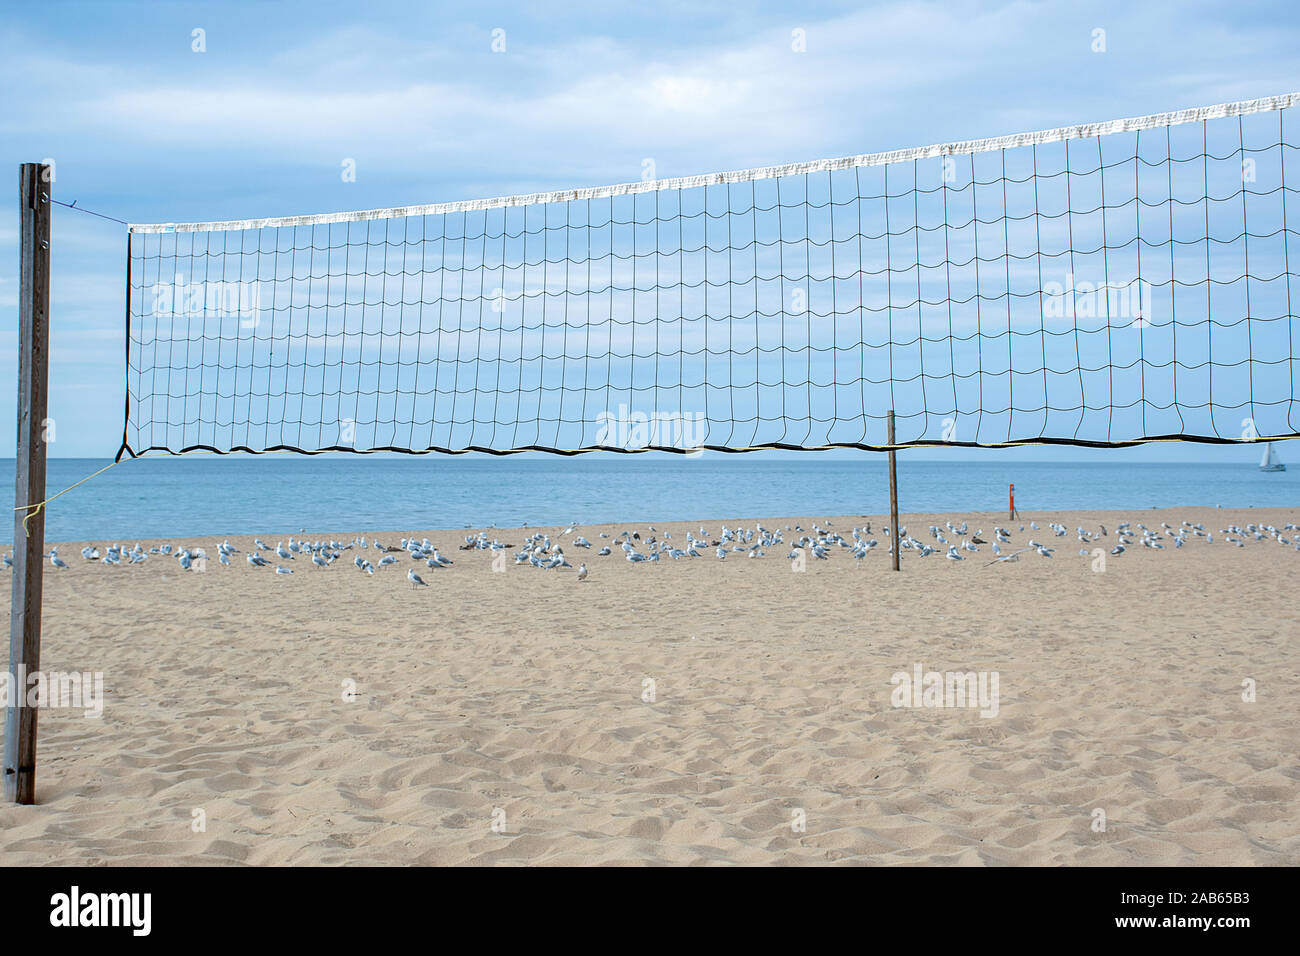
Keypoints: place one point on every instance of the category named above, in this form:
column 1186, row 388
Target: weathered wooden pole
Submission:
column 29, row 478
column 894, row 537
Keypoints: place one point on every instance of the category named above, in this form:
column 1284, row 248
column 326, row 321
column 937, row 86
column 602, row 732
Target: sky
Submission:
column 142, row 126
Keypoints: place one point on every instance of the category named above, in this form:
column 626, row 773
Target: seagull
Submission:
column 55, row 560
column 582, row 572
column 440, row 560
column 280, row 570
column 415, row 578
column 1013, row 556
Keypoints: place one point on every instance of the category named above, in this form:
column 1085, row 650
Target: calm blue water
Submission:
column 156, row 498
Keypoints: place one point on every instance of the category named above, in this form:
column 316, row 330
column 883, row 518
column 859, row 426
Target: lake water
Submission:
column 281, row 494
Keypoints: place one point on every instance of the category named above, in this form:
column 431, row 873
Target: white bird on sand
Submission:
column 415, row 578
column 320, row 561
column 582, row 572
column 55, row 560
column 280, row 570
column 440, row 560
column 282, row 552
column 1013, row 556
column 224, row 558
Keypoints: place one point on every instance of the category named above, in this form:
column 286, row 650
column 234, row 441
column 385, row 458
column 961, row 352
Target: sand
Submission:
column 505, row 718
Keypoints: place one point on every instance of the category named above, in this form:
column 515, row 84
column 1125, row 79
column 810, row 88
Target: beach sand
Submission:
column 520, row 699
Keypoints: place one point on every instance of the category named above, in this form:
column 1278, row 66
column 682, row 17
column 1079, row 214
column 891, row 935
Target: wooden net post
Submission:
column 29, row 479
column 895, row 537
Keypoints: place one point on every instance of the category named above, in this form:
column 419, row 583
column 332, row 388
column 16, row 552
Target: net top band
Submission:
column 1086, row 130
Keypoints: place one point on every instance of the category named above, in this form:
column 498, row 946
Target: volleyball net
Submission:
column 1103, row 285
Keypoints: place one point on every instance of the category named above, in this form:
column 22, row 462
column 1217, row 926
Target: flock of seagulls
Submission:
column 543, row 551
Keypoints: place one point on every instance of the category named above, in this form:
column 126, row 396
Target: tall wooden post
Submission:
column 29, row 478
column 895, row 537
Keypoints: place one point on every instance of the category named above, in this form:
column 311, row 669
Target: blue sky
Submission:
column 142, row 128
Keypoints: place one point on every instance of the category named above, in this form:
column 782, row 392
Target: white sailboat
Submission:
column 1269, row 462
